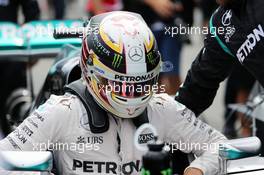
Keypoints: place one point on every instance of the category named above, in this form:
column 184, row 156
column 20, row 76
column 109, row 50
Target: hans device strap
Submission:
column 98, row 119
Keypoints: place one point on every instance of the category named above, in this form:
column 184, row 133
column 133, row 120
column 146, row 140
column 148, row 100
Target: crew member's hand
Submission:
column 193, row 171
column 164, row 8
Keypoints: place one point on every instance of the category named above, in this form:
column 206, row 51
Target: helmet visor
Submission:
column 128, row 90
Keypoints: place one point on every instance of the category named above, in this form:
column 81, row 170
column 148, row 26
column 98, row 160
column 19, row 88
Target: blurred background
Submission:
column 178, row 51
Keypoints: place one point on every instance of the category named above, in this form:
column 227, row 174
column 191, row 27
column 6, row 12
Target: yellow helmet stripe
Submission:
column 118, row 47
column 149, row 44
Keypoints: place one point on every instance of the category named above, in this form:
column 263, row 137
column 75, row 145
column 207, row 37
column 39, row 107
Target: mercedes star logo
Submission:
column 135, row 53
column 226, row 19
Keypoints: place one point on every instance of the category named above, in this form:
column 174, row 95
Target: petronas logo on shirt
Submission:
column 117, row 60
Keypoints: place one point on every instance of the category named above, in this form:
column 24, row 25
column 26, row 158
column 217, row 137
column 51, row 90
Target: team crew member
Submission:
column 9, row 10
column 104, row 108
column 242, row 40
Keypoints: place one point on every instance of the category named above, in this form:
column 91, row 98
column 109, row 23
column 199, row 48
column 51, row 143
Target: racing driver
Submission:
column 120, row 63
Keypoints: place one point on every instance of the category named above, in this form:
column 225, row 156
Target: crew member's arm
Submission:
column 42, row 128
column 211, row 67
column 30, row 9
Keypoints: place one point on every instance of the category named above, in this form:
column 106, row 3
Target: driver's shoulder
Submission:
column 165, row 111
column 165, row 103
column 60, row 104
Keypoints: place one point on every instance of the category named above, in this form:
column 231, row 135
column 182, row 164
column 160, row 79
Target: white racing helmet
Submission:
column 120, row 62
